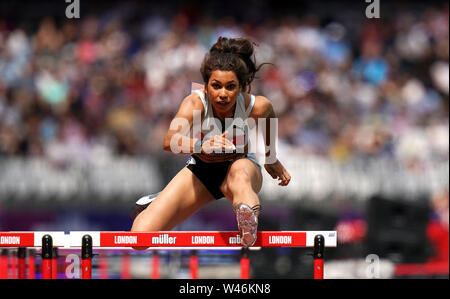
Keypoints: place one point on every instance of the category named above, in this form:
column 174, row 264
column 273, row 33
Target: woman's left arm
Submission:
column 263, row 109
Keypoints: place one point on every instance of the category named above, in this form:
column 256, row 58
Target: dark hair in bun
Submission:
column 231, row 54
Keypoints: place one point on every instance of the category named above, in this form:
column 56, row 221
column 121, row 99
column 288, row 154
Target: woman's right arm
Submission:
column 177, row 139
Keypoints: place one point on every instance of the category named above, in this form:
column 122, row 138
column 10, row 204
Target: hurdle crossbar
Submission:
column 87, row 240
column 167, row 239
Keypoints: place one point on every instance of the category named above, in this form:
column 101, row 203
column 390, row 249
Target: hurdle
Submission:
column 87, row 241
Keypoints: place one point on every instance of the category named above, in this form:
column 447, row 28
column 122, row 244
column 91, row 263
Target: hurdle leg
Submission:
column 155, row 265
column 193, row 265
column 47, row 252
column 103, row 266
column 86, row 257
column 31, row 265
column 319, row 245
column 13, row 273
column 55, row 263
column 245, row 263
column 22, row 267
column 126, row 266
column 4, row 264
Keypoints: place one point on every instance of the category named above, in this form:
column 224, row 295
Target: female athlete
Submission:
column 221, row 164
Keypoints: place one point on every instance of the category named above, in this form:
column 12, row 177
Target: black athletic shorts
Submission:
column 211, row 175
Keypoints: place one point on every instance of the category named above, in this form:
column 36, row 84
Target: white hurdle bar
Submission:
column 163, row 240
column 200, row 239
column 167, row 239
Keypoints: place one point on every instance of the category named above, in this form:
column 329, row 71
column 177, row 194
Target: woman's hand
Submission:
column 218, row 149
column 277, row 171
column 218, row 144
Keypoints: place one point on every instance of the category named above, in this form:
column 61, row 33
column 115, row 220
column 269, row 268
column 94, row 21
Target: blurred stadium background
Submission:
column 362, row 106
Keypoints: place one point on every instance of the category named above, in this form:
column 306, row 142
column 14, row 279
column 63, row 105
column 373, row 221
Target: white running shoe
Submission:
column 247, row 223
column 141, row 204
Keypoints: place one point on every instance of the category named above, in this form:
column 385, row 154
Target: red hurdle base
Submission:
column 245, row 264
column 103, row 267
column 86, row 268
column 22, row 265
column 4, row 262
column 31, row 265
column 193, row 265
column 155, row 266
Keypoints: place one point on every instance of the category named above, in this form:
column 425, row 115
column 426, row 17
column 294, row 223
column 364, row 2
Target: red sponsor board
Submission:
column 16, row 239
column 281, row 239
column 199, row 239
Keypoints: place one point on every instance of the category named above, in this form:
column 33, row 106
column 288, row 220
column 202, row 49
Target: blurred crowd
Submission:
column 342, row 88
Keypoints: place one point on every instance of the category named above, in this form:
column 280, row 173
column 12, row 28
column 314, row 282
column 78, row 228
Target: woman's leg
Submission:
column 181, row 198
column 242, row 183
column 241, row 186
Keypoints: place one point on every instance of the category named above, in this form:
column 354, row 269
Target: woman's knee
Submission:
column 238, row 179
column 243, row 178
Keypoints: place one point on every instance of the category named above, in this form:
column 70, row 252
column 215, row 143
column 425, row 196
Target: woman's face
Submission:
column 223, row 89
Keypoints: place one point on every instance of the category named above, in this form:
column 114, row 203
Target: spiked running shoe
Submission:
column 141, row 204
column 247, row 223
